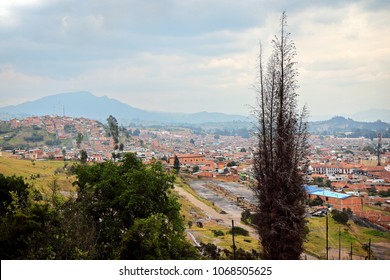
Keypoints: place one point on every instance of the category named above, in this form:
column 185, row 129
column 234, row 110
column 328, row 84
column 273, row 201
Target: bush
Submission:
column 245, row 216
column 340, row 217
column 210, row 251
column 218, row 233
column 33, row 138
column 315, row 202
column 384, row 193
column 199, row 224
column 239, row 231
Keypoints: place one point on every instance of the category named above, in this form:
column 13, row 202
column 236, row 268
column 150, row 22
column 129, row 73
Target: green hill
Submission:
column 25, row 137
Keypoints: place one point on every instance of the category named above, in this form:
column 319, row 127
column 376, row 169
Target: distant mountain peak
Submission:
column 341, row 124
column 85, row 104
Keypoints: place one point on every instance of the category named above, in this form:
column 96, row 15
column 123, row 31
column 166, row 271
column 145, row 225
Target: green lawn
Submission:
column 349, row 234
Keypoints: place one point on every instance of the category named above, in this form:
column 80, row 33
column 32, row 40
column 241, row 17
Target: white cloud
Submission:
column 343, row 58
column 9, row 11
column 193, row 56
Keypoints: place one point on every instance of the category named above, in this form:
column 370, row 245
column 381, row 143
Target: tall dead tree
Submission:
column 281, row 151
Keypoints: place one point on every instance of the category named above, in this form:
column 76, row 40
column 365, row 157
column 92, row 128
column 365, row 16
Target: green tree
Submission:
column 176, row 163
column 83, row 156
column 32, row 228
column 136, row 132
column 372, row 191
column 131, row 205
column 55, row 197
column 14, row 185
column 232, row 163
column 282, row 146
column 369, row 149
column 245, row 216
column 64, row 154
column 340, row 216
column 79, row 139
column 195, row 168
column 25, row 225
column 114, row 129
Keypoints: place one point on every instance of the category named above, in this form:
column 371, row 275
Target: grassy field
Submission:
column 38, row 173
column 349, row 234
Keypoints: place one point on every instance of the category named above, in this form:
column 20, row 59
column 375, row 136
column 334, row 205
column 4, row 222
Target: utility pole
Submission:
column 369, row 249
column 351, row 251
column 327, row 229
column 339, row 244
column 234, row 244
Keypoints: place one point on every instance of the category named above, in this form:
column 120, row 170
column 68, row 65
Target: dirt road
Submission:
column 225, row 219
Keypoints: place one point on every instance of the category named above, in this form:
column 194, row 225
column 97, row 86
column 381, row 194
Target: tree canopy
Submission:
column 123, row 210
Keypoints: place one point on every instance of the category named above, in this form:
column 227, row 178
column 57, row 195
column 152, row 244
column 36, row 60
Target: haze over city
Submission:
column 175, row 130
column 195, row 55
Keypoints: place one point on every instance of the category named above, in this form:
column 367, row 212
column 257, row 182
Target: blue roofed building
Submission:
column 336, row 200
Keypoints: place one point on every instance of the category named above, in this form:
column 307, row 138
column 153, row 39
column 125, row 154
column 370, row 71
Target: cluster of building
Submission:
column 347, row 168
column 350, row 175
column 204, row 155
column 66, row 129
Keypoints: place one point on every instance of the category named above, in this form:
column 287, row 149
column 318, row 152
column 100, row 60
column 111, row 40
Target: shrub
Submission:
column 245, row 216
column 315, row 202
column 218, row 233
column 239, row 231
column 340, row 217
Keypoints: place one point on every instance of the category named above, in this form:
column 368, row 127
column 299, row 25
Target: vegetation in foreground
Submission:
column 42, row 215
column 119, row 212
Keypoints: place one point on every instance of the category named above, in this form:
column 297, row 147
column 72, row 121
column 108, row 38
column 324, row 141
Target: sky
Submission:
column 192, row 56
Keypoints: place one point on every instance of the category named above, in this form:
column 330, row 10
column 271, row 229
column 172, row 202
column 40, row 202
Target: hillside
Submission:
column 349, row 127
column 25, row 137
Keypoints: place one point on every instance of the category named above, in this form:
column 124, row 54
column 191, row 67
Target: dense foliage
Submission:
column 340, row 216
column 122, row 210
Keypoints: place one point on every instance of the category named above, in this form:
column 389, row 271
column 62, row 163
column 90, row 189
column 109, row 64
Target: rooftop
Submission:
column 327, row 193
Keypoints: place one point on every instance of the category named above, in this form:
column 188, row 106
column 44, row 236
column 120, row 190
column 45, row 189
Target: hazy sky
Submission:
column 190, row 56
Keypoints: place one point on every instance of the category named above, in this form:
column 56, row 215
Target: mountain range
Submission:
column 85, row 104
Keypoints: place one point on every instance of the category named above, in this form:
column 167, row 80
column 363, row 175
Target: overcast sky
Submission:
column 191, row 56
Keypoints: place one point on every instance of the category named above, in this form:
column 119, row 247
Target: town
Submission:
column 351, row 170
